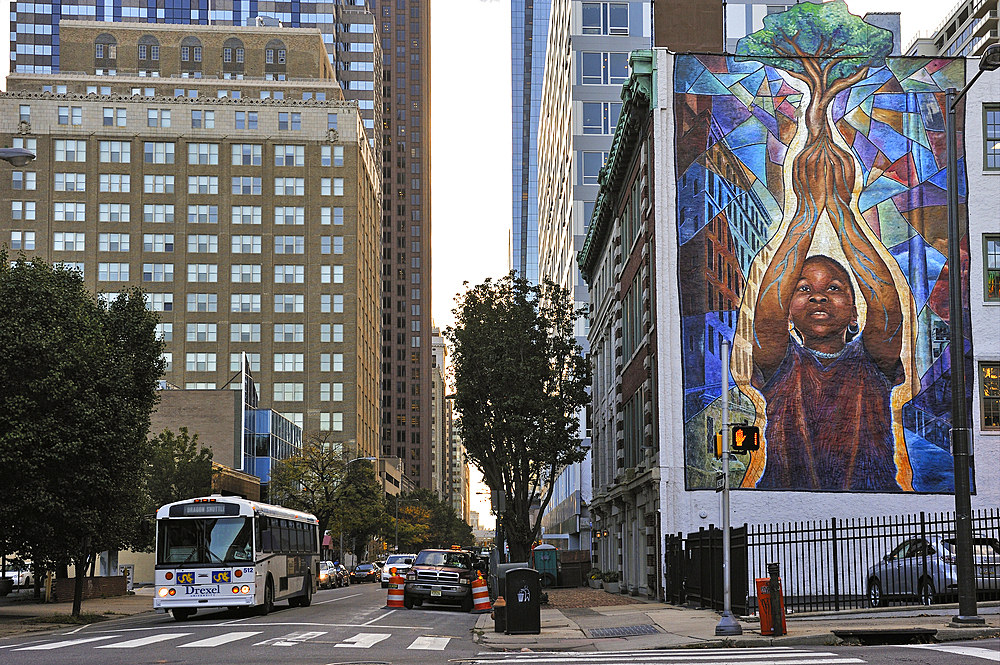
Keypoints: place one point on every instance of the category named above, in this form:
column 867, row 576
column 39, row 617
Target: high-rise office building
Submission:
column 529, row 23
column 392, row 89
column 245, row 206
column 967, row 31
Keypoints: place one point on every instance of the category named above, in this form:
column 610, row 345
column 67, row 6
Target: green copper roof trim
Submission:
column 637, row 96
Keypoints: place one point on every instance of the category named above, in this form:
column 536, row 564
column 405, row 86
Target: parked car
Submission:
column 925, row 569
column 401, row 562
column 327, row 575
column 440, row 576
column 364, row 572
column 20, row 577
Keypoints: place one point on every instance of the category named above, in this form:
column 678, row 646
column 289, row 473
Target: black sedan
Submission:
column 364, row 572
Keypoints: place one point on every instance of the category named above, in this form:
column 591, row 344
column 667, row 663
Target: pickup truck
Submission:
column 440, row 576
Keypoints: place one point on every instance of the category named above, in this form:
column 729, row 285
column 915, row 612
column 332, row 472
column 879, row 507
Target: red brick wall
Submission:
column 93, row 587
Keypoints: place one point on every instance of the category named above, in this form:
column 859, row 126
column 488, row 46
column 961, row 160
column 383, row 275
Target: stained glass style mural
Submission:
column 812, row 220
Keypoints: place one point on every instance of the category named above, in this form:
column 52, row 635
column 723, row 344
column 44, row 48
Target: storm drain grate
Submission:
column 624, row 631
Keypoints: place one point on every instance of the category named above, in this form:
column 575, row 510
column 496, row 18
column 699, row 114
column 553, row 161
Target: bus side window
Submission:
column 313, row 538
column 285, row 540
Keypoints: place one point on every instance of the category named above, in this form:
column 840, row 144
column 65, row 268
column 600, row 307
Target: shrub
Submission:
column 611, row 576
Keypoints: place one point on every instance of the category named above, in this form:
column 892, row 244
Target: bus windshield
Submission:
column 205, row 541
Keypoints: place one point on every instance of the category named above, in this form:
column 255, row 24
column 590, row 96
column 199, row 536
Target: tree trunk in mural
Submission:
column 827, row 384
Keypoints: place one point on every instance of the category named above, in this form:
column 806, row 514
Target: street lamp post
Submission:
column 346, row 466
column 960, row 439
column 16, row 156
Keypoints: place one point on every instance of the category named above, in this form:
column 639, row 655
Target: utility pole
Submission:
column 728, row 625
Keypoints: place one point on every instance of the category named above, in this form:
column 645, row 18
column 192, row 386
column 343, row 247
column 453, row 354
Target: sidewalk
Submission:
column 21, row 613
column 650, row 625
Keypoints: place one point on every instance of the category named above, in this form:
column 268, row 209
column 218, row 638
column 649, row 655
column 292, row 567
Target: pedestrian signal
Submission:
column 746, row 438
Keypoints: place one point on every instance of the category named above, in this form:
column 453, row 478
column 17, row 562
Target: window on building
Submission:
column 605, row 18
column 991, row 134
column 604, row 68
column 991, row 268
column 592, row 163
column 989, row 394
column 246, row 119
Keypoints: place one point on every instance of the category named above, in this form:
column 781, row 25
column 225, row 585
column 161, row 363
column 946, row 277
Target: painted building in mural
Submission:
column 792, row 207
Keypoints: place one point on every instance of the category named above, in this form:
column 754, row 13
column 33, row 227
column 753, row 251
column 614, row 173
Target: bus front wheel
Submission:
column 268, row 604
column 182, row 614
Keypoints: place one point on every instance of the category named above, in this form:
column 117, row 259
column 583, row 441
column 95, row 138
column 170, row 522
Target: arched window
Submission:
column 105, row 52
column 149, row 55
column 275, row 59
column 191, row 55
column 233, row 57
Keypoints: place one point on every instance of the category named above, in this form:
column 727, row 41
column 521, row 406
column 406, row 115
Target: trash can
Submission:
column 546, row 561
column 523, row 596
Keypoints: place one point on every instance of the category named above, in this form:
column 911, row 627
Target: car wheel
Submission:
column 467, row 603
column 385, row 585
column 182, row 614
column 926, row 592
column 875, row 597
column 407, row 601
column 268, row 604
column 418, row 602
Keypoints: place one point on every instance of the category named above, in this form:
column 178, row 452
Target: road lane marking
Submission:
column 975, row 652
column 67, row 643
column 142, row 641
column 225, row 638
column 430, row 643
column 334, row 600
column 363, row 640
column 291, row 639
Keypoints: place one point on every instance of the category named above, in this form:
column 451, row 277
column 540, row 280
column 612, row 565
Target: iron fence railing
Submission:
column 835, row 564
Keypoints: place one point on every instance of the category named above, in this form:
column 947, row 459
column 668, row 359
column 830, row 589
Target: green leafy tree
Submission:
column 79, row 382
column 361, row 507
column 179, row 468
column 425, row 521
column 520, row 383
column 311, row 480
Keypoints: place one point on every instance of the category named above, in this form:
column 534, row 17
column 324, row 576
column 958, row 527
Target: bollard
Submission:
column 500, row 615
column 777, row 620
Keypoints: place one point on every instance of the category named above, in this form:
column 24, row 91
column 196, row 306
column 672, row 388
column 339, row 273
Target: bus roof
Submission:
column 247, row 508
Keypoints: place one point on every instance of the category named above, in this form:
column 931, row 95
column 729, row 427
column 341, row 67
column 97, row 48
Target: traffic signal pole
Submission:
column 728, row 625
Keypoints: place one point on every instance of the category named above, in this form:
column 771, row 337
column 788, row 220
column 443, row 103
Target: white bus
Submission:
column 221, row 551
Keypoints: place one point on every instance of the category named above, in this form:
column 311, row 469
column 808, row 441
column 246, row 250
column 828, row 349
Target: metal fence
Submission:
column 834, row 564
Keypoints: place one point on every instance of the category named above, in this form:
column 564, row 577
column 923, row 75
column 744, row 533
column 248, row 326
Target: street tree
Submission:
column 520, row 384
column 179, row 468
column 425, row 521
column 361, row 507
column 79, row 382
column 310, row 481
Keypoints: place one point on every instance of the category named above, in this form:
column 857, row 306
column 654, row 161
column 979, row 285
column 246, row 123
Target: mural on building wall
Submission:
column 812, row 219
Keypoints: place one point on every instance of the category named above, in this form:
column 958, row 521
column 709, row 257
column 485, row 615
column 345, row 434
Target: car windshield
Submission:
column 204, row 541
column 397, row 559
column 450, row 559
column 364, row 566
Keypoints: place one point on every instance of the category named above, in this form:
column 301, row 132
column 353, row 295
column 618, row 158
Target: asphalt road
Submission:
column 347, row 625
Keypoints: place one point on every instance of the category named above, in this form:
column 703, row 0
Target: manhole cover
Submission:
column 624, row 631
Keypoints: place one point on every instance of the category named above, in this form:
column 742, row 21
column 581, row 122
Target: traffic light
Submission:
column 746, row 438
column 715, row 444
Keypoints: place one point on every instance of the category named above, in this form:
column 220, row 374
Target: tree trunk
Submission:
column 81, row 571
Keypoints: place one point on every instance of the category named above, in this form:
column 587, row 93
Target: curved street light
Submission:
column 16, row 156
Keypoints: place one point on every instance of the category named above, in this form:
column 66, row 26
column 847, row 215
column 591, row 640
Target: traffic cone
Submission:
column 480, row 595
column 395, row 598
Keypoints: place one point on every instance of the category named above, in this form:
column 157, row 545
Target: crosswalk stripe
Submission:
column 430, row 643
column 67, row 643
column 765, row 659
column 363, row 640
column 225, row 638
column 142, row 641
column 292, row 639
column 975, row 652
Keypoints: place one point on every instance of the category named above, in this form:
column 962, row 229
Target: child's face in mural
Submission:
column 822, row 305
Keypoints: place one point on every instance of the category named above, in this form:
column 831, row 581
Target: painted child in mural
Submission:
column 827, row 383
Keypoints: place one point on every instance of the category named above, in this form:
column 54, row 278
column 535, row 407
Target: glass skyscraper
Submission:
column 529, row 24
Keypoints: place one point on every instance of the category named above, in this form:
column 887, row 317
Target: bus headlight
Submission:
column 245, row 588
column 162, row 592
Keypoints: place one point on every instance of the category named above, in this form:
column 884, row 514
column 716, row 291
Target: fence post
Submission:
column 923, row 558
column 836, row 566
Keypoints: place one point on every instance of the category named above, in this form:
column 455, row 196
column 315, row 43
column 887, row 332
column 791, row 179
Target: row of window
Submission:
column 178, row 92
column 250, row 332
column 204, row 184
column 164, row 242
column 196, row 272
column 328, row 362
column 165, row 213
column 108, row 50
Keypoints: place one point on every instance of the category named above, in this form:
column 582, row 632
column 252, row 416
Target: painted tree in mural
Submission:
column 840, row 435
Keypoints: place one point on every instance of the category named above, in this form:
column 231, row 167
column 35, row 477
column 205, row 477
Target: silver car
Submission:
column 925, row 569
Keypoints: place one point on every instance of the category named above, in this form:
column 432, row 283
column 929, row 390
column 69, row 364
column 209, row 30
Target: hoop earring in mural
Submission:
column 852, row 328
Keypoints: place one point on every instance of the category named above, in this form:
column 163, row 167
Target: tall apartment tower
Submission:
column 380, row 50
column 966, row 32
column 246, row 205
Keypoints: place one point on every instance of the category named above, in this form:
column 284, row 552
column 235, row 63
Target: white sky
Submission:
column 471, row 142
